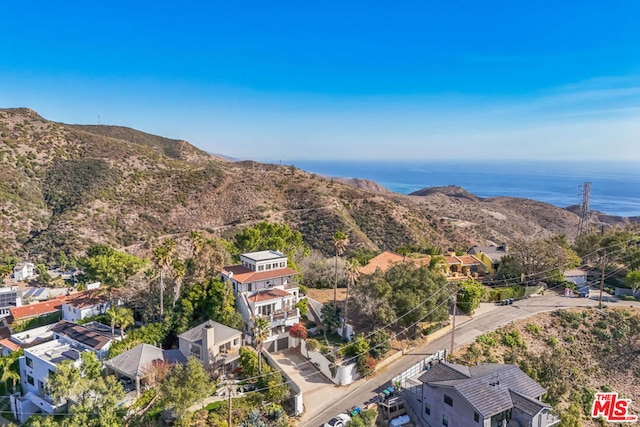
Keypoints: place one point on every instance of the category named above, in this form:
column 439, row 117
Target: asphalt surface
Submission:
column 339, row 400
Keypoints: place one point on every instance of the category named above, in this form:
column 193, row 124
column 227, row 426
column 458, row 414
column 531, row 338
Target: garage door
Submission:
column 283, row 344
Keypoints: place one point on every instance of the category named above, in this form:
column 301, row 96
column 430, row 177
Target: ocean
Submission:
column 615, row 187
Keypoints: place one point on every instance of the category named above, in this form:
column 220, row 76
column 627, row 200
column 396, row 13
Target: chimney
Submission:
column 208, row 344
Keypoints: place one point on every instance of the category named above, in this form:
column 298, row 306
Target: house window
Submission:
column 427, row 409
column 236, row 342
column 448, row 400
column 29, row 362
column 30, row 380
column 274, row 266
column 260, row 267
column 51, row 372
column 476, row 417
column 445, row 420
column 282, row 264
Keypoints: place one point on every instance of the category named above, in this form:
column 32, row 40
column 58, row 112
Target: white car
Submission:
column 340, row 420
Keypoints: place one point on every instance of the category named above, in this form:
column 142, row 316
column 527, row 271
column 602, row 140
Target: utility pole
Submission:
column 229, row 393
column 604, row 265
column 453, row 324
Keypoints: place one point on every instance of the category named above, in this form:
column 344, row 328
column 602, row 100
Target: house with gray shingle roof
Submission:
column 489, row 395
column 135, row 367
column 213, row 343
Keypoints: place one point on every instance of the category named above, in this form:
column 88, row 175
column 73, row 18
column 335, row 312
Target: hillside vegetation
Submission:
column 64, row 187
column 572, row 353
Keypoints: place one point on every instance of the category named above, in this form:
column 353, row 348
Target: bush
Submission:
column 379, row 344
column 534, row 328
column 489, row 339
column 513, row 339
column 366, row 365
column 553, row 341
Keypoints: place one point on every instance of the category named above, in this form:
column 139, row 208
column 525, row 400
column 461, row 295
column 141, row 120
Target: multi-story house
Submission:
column 40, row 361
column 84, row 304
column 24, row 271
column 213, row 343
column 10, row 297
column 264, row 286
column 489, row 395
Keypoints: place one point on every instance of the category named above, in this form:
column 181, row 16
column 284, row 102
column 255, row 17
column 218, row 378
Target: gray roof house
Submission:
column 213, row 343
column 489, row 395
column 134, row 367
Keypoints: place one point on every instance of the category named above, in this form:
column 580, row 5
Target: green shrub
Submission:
column 490, row 339
column 553, row 341
column 513, row 339
column 534, row 328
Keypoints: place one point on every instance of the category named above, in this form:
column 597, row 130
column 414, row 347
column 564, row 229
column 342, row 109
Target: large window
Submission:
column 445, row 420
column 29, row 362
column 448, row 400
column 30, row 379
column 476, row 417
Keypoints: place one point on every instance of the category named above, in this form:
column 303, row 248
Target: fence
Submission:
column 418, row 367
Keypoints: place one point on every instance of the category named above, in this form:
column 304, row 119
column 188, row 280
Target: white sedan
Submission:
column 340, row 420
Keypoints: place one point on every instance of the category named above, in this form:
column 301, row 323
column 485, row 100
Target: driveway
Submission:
column 316, row 388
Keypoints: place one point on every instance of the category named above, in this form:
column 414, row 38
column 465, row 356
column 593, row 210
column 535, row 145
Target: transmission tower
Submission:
column 585, row 211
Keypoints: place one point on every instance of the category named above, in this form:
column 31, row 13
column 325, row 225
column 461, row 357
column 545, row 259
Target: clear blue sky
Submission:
column 274, row 80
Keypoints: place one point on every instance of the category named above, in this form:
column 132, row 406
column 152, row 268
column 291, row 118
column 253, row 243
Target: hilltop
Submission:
column 64, row 187
column 572, row 353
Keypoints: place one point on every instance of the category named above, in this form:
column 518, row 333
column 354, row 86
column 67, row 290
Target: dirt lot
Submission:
column 326, row 295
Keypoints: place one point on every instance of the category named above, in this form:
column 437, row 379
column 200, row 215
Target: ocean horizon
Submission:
column 615, row 186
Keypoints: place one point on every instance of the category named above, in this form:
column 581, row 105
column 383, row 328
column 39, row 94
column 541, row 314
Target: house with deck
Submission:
column 214, row 344
column 264, row 286
column 488, row 395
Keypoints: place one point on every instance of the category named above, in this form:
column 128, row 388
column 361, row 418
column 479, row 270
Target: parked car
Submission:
column 340, row 420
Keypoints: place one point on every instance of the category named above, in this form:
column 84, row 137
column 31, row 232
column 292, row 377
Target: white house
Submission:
column 577, row 276
column 35, row 366
column 84, row 304
column 40, row 361
column 24, row 271
column 10, row 297
column 264, row 286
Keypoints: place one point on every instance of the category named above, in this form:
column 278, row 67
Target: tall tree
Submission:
column 178, row 271
column 261, row 330
column 121, row 317
column 340, row 242
column 197, row 242
column 163, row 257
column 353, row 272
column 185, row 385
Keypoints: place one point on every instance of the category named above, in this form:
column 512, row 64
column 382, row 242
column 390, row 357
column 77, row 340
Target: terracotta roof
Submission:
column 9, row 344
column 451, row 259
column 387, row 259
column 38, row 309
column 86, row 299
column 268, row 294
column 468, row 259
column 244, row 275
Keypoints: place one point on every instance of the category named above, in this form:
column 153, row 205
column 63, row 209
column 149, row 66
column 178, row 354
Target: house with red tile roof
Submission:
column 38, row 309
column 264, row 286
column 453, row 267
column 85, row 304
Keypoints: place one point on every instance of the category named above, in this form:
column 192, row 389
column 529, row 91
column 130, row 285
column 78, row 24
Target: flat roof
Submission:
column 264, row 255
column 54, row 352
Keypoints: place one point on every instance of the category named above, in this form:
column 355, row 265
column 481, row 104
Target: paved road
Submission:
column 338, row 400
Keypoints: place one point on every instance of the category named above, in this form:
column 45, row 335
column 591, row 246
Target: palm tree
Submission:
column 353, row 272
column 340, row 241
column 9, row 373
column 197, row 242
column 178, row 270
column 261, row 329
column 121, row 317
column 163, row 258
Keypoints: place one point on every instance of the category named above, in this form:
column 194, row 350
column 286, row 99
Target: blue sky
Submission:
column 351, row 80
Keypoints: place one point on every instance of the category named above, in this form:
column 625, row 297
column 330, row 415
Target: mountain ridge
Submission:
column 64, row 187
